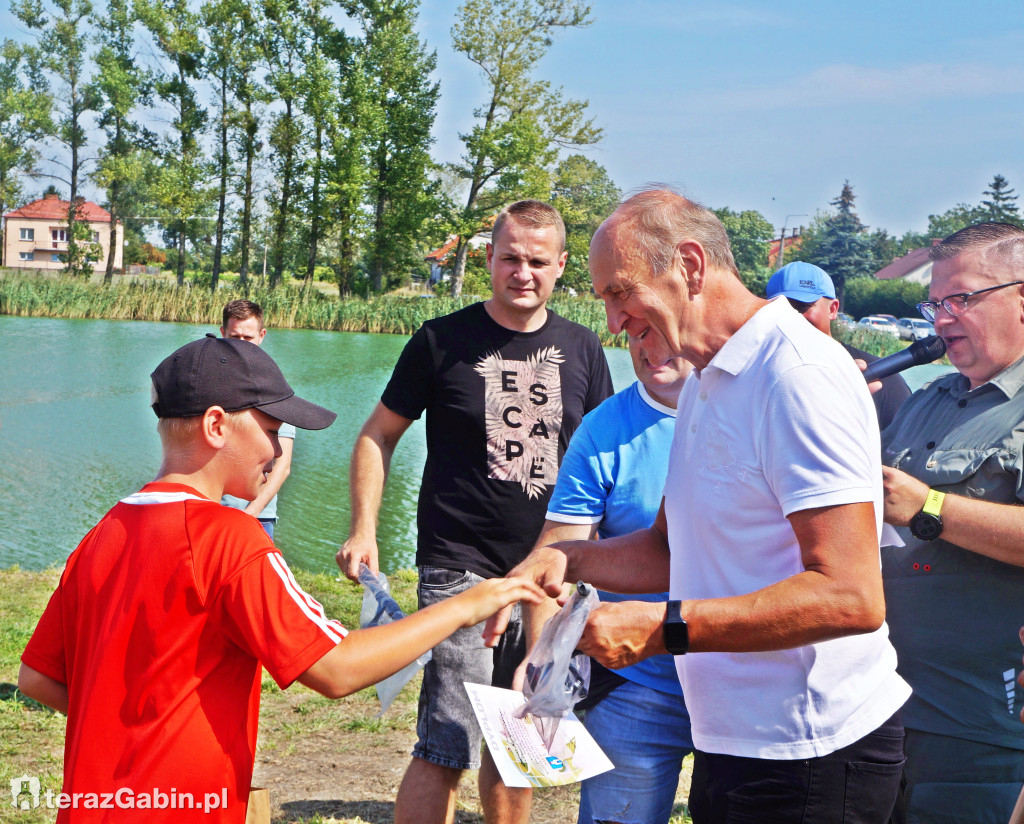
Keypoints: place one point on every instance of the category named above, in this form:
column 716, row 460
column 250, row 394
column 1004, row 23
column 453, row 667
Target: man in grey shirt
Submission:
column 954, row 481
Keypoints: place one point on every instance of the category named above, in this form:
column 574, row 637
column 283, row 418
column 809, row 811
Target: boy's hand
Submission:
column 487, row 597
column 355, row 551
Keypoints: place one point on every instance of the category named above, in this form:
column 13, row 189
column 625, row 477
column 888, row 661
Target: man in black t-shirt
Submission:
column 504, row 384
column 810, row 291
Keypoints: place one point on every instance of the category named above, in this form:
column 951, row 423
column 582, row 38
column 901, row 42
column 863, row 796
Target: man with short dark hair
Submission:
column 809, row 290
column 504, row 384
column 243, row 320
column 767, row 537
column 954, row 483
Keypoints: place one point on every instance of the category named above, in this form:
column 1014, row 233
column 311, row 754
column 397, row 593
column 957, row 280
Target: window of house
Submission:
column 58, row 236
column 95, row 237
column 55, row 258
column 28, row 234
column 26, row 256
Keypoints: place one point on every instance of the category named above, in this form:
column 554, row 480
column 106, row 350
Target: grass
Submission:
column 32, row 736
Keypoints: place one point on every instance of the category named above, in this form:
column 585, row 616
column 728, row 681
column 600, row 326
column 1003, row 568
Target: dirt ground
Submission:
column 336, row 763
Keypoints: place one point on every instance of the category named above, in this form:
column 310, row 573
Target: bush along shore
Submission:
column 290, row 307
column 324, row 762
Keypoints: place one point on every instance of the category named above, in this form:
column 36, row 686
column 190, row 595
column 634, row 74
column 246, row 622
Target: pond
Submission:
column 77, row 433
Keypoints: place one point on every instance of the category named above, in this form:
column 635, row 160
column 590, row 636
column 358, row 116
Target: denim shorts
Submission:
column 449, row 734
column 646, row 734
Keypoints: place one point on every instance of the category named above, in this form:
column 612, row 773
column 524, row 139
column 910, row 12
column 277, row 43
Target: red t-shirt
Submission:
column 159, row 625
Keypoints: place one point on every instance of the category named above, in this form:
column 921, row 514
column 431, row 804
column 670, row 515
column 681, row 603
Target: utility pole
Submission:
column 781, row 257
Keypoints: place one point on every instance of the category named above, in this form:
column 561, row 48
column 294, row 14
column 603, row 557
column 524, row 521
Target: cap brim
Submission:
column 802, row 296
column 299, row 412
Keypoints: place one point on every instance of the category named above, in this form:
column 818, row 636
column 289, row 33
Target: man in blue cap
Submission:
column 809, row 290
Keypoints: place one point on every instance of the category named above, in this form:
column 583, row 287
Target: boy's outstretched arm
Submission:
column 43, row 688
column 367, row 656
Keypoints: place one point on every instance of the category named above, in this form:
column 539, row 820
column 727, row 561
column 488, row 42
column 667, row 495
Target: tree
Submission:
column 403, row 98
column 62, row 50
column 585, row 195
column 181, row 188
column 953, row 220
column 750, row 235
column 838, row 242
column 25, row 105
column 523, row 124
column 1001, row 205
column 121, row 87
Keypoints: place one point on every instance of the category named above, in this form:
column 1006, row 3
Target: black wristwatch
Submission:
column 677, row 634
column 926, row 525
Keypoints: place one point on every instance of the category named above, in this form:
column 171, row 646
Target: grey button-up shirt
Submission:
column 953, row 614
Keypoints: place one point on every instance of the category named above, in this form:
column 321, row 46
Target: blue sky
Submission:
column 772, row 106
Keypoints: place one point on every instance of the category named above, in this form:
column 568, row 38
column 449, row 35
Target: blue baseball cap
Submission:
column 801, row 281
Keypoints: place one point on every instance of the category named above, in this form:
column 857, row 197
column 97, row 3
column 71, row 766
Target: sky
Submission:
column 774, row 106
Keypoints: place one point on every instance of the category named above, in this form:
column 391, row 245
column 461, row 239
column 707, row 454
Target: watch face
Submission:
column 926, row 527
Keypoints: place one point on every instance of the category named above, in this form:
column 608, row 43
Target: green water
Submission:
column 77, row 433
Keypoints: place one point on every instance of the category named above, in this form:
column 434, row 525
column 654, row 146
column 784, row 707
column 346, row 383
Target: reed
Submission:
column 287, row 306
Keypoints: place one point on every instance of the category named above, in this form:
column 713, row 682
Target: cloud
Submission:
column 839, row 85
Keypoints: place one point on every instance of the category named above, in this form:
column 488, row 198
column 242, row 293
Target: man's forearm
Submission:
column 629, row 564
column 367, row 475
column 987, row 528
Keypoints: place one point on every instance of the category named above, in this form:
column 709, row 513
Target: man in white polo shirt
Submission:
column 768, row 534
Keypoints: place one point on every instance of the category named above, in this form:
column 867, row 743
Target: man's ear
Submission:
column 215, row 427
column 692, row 260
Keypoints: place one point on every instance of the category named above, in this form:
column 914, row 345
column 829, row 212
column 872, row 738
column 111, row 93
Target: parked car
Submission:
column 914, row 328
column 890, row 318
column 846, row 320
column 879, row 324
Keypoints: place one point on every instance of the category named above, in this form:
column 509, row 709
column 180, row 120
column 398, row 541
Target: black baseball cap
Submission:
column 234, row 375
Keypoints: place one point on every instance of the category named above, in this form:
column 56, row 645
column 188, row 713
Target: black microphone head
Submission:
column 927, row 349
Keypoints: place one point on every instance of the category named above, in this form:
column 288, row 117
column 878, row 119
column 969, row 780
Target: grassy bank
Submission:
column 285, row 307
column 325, row 762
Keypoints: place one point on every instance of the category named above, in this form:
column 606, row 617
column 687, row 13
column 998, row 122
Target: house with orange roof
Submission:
column 35, row 236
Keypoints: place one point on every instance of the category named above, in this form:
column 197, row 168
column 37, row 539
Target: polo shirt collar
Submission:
column 746, row 342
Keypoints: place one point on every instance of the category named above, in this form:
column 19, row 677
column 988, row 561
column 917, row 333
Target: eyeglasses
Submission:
column 956, row 305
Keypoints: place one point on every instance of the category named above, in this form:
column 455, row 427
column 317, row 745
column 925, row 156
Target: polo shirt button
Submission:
column 703, row 396
column 930, row 444
column 962, row 403
column 931, row 464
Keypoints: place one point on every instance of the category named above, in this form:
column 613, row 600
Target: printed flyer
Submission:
column 517, row 747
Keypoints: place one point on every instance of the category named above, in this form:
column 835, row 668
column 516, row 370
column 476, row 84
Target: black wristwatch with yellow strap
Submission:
column 926, row 525
column 677, row 634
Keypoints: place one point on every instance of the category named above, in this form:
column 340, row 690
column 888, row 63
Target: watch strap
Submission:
column 933, row 503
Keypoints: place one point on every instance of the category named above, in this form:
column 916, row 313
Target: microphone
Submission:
column 919, row 352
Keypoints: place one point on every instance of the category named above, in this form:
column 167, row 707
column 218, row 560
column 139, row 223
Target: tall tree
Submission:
column 182, row 187
column 122, row 87
column 953, row 220
column 283, row 47
column 1001, row 203
column 524, row 122
column 839, row 243
column 585, row 195
column 402, row 197
column 25, row 105
column 63, row 50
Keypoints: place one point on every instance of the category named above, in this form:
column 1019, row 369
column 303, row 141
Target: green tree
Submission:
column 63, row 51
column 750, row 235
column 839, row 243
column 122, row 87
column 1001, row 205
column 521, row 127
column 25, row 105
column 402, row 197
column 953, row 220
column 585, row 195
column 181, row 189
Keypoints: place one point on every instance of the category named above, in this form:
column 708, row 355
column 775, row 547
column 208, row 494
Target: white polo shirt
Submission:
column 779, row 421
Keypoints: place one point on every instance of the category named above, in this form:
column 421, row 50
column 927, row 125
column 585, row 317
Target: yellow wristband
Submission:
column 933, row 503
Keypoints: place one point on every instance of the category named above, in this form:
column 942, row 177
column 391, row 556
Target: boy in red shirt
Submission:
column 154, row 639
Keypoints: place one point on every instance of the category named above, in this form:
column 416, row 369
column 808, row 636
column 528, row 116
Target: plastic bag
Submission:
column 380, row 608
column 556, row 678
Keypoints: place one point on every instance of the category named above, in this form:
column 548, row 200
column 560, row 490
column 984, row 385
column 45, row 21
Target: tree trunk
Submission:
column 459, row 268
column 250, row 151
column 314, row 227
column 222, row 202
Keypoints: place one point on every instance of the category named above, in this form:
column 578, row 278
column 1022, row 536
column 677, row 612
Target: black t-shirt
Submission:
column 892, row 394
column 501, row 406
